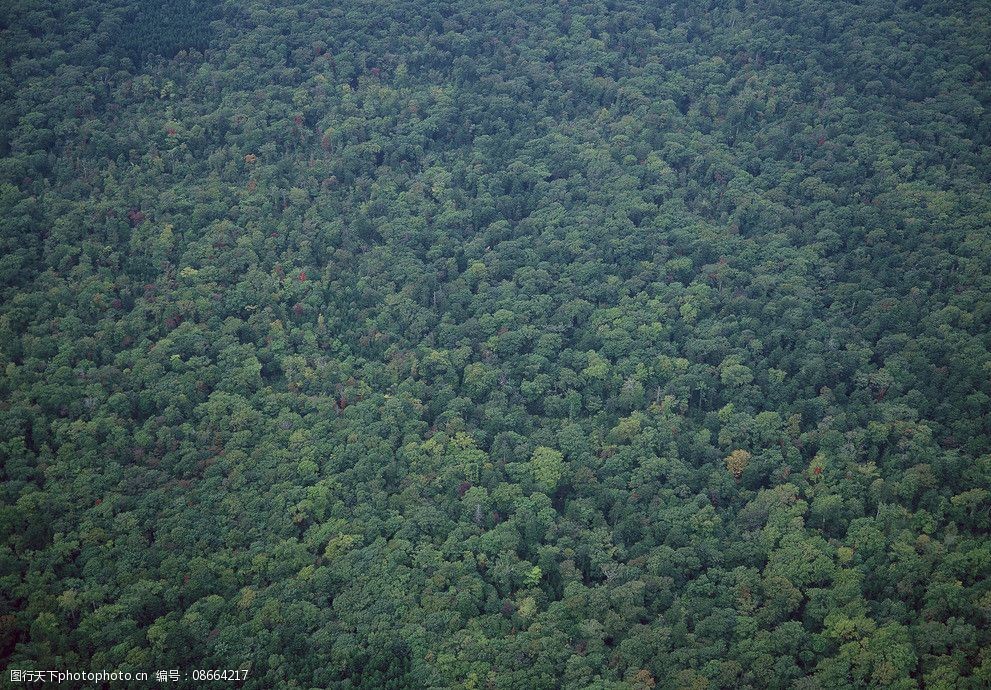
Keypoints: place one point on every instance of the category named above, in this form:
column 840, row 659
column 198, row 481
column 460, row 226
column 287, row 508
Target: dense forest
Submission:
column 497, row 344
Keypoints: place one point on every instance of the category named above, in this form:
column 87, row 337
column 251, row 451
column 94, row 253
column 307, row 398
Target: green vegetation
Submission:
column 498, row 343
column 151, row 27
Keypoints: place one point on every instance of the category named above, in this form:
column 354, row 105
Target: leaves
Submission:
column 547, row 466
column 497, row 345
column 736, row 462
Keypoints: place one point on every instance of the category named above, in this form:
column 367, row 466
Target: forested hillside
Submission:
column 498, row 343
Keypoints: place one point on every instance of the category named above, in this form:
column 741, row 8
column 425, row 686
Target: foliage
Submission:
column 497, row 344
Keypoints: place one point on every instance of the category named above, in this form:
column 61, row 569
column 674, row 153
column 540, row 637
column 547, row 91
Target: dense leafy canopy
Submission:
column 498, row 344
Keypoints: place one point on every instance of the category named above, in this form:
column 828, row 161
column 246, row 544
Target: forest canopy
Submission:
column 497, row 343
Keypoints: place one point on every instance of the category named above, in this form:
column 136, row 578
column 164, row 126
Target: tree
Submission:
column 736, row 462
column 547, row 467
